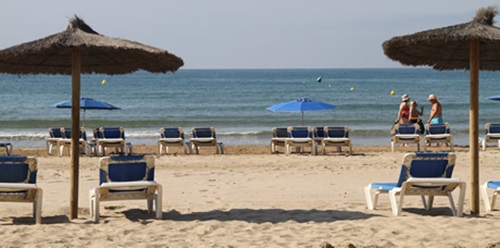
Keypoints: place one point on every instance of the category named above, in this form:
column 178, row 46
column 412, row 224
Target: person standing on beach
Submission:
column 414, row 115
column 404, row 110
column 436, row 111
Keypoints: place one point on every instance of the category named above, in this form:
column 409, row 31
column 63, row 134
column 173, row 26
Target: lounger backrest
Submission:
column 66, row 133
column 112, row 132
column 299, row 132
column 428, row 165
column 492, row 128
column 203, row 132
column 336, row 132
column 437, row 129
column 55, row 132
column 171, row 132
column 126, row 168
column 319, row 132
column 18, row 169
column 406, row 128
column 280, row 132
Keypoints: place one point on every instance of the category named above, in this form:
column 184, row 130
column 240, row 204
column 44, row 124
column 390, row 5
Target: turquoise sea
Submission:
column 235, row 101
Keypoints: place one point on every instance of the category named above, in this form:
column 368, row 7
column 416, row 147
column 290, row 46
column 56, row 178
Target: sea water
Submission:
column 234, row 102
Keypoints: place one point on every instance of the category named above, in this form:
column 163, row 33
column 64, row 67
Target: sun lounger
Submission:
column 54, row 135
column 337, row 137
column 171, row 136
column 492, row 134
column 422, row 174
column 438, row 133
column 495, row 186
column 205, row 137
column 18, row 182
column 405, row 134
column 126, row 178
column 280, row 134
column 112, row 137
column 300, row 137
column 65, row 142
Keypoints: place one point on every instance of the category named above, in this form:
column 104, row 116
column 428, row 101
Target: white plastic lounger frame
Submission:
column 171, row 137
column 300, row 137
column 495, row 185
column 26, row 191
column 421, row 186
column 492, row 134
column 438, row 133
column 337, row 137
column 109, row 190
column 405, row 134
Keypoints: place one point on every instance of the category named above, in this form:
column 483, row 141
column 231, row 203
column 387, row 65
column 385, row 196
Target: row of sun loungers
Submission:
column 410, row 134
column 104, row 137
column 311, row 138
column 422, row 174
column 114, row 137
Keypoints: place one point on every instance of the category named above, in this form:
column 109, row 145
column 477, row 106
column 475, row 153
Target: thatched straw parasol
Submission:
column 80, row 49
column 472, row 46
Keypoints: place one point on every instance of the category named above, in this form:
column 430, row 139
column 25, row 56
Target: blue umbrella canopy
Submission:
column 494, row 98
column 301, row 105
column 85, row 103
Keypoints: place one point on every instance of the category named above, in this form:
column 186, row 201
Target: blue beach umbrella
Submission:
column 301, row 105
column 494, row 98
column 85, row 103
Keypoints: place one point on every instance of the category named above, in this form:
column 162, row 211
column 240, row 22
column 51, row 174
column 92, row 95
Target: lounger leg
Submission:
column 430, row 202
column 483, row 143
column 396, row 208
column 37, row 205
column 96, row 205
column 159, row 202
column 461, row 197
column 486, row 200
column 91, row 203
column 392, row 146
column 493, row 199
column 452, row 204
column 369, row 203
column 150, row 205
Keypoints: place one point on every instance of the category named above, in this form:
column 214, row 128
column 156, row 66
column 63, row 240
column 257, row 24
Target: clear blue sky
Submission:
column 245, row 34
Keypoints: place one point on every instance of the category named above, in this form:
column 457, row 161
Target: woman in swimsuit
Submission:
column 404, row 110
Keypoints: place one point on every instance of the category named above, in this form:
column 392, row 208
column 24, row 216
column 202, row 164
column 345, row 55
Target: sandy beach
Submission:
column 251, row 198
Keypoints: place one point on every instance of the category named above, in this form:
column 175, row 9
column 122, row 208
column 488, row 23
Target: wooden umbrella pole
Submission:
column 75, row 134
column 473, row 122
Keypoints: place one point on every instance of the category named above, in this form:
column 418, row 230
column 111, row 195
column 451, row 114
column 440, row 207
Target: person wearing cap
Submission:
column 404, row 110
column 436, row 111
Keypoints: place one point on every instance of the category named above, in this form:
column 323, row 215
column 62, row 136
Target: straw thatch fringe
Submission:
column 77, row 23
column 485, row 15
column 447, row 48
column 99, row 54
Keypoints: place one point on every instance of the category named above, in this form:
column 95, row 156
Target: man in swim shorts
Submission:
column 436, row 111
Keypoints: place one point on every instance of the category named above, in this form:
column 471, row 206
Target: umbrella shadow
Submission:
column 270, row 215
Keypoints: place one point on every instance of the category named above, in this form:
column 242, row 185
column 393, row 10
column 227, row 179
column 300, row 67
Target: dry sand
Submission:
column 250, row 198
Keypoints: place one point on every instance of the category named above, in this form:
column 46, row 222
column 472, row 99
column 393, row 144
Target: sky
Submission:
column 257, row 34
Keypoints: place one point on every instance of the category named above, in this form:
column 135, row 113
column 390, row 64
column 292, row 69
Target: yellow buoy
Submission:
column 103, row 82
column 393, row 93
column 352, row 88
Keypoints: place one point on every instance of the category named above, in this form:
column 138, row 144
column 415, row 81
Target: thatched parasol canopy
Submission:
column 473, row 46
column 80, row 49
column 99, row 54
column 448, row 48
